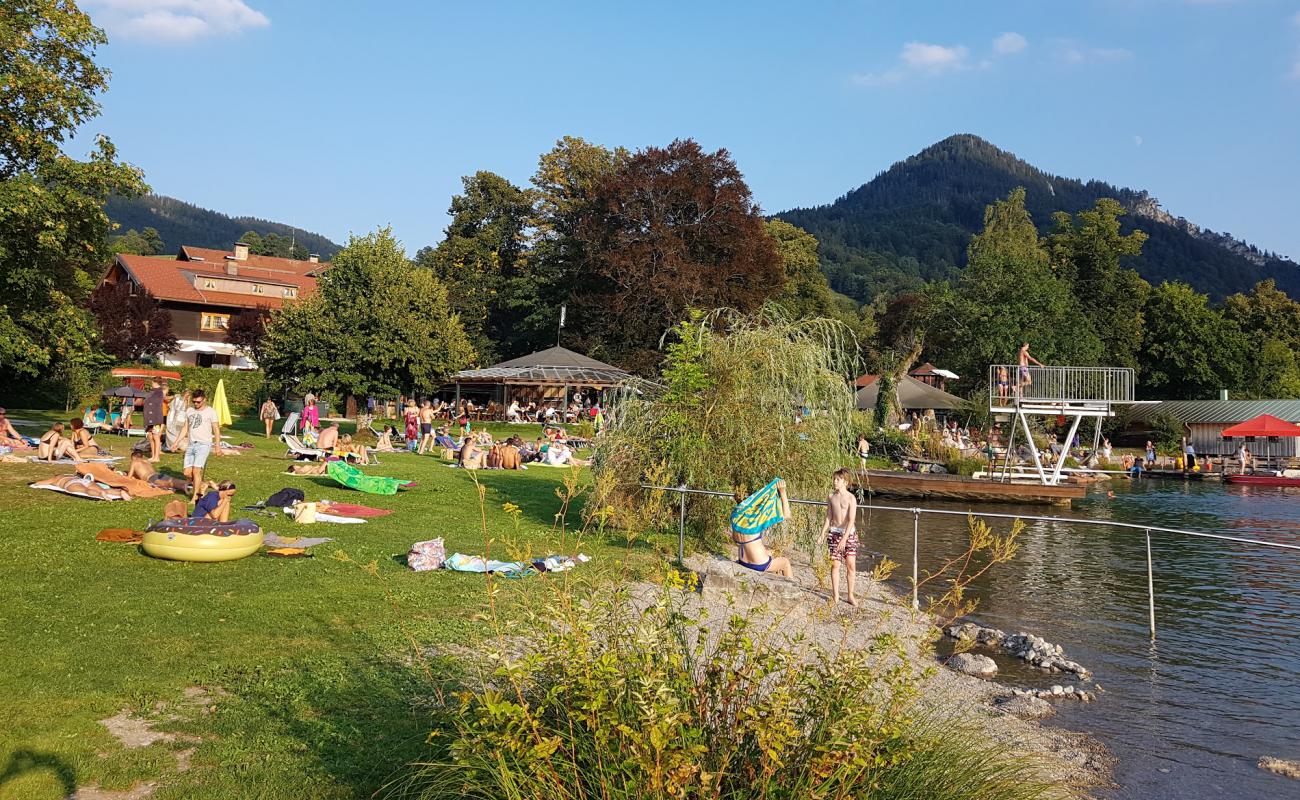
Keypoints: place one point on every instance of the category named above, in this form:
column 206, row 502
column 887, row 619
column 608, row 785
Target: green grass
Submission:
column 323, row 700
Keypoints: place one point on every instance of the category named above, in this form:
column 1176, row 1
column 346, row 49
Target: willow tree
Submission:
column 745, row 398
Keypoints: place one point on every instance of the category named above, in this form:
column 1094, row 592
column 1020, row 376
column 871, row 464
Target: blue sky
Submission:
column 340, row 117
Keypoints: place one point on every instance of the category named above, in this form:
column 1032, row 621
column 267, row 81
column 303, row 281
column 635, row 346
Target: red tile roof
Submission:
column 173, row 279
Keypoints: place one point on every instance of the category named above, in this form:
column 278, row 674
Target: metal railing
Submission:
column 1011, row 384
column 916, row 513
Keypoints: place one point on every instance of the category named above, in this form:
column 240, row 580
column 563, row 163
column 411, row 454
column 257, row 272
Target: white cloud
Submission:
column 1137, row 140
column 933, row 57
column 175, row 20
column 1009, row 43
column 1072, row 52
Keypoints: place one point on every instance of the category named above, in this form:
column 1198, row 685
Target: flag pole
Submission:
column 563, row 308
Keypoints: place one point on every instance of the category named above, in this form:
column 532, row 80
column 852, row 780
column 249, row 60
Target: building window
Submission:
column 290, row 292
column 258, row 289
column 215, row 322
column 208, row 283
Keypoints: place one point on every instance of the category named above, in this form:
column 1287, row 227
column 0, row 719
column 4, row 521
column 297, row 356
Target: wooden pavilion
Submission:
column 542, row 377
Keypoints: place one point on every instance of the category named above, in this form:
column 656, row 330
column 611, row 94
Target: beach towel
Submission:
column 352, row 510
column 426, row 556
column 101, row 474
column 460, row 562
column 353, row 478
column 301, row 542
column 120, row 535
column 77, row 486
column 758, row 512
column 93, row 459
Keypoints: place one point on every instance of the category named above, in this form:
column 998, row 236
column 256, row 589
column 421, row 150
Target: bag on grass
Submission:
column 304, row 513
column 285, row 498
column 426, row 556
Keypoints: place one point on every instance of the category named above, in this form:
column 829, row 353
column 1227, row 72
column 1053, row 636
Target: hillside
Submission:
column 180, row 223
column 912, row 223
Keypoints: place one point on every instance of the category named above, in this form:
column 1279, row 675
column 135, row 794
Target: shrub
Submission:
column 618, row 703
column 965, row 465
column 244, row 388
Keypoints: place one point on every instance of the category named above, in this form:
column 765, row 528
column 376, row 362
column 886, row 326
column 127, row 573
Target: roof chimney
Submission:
column 231, row 267
column 314, row 258
column 241, row 251
column 1223, row 394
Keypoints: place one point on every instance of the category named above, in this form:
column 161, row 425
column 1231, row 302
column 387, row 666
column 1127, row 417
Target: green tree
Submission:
column 1190, row 350
column 48, row 80
column 1273, row 371
column 805, row 292
column 482, row 256
column 1007, row 295
column 374, row 327
column 143, row 243
column 1266, row 311
column 1086, row 250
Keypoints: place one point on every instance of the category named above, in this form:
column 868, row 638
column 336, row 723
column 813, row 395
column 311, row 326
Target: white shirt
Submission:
column 200, row 422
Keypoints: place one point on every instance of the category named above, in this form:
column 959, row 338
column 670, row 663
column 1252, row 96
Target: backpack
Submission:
column 426, row 556
column 285, row 497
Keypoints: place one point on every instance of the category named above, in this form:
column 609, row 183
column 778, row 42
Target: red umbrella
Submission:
column 1263, row 425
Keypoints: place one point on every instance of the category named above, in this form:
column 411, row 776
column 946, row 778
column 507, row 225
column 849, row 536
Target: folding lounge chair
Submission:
column 300, row 451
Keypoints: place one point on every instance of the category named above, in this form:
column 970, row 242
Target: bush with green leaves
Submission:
column 615, row 702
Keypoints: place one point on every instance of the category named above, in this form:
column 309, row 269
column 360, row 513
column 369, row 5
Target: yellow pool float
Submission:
column 196, row 540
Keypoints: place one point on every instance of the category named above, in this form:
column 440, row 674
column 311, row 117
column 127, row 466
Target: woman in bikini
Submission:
column 54, row 445
column 82, row 440
column 752, row 553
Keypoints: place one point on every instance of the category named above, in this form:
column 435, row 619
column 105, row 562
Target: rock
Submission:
column 1057, row 689
column 1026, row 707
column 721, row 579
column 1278, row 766
column 971, row 664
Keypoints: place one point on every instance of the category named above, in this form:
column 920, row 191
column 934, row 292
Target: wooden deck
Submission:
column 921, row 486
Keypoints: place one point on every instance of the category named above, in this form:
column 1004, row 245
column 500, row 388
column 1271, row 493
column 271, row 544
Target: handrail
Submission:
column 1012, row 384
column 916, row 513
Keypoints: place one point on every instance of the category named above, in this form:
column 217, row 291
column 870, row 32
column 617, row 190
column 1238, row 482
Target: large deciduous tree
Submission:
column 1190, row 350
column 374, row 327
column 482, row 258
column 53, row 229
column 1007, row 295
column 132, row 324
column 247, row 332
column 673, row 228
column 1087, row 250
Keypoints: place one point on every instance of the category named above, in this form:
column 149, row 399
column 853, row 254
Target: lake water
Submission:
column 1190, row 715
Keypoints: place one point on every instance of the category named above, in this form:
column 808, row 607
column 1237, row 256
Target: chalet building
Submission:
column 204, row 289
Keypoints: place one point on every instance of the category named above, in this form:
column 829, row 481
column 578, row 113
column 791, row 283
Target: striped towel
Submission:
column 758, row 512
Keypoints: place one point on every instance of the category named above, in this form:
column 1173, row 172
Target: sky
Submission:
column 341, row 117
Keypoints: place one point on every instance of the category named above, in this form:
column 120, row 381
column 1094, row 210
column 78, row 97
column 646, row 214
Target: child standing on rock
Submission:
column 840, row 530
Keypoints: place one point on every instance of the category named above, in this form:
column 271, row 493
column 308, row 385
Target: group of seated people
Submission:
column 54, row 444
column 549, row 412
column 343, row 446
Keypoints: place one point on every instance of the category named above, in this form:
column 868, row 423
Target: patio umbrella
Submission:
column 125, row 391
column 220, row 405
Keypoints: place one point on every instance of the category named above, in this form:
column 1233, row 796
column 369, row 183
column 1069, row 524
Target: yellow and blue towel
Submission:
column 758, row 512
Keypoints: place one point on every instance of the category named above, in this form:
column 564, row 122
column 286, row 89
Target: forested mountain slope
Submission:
column 180, row 223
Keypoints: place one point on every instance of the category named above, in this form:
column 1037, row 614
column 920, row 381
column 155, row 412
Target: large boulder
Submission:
column 722, row 580
column 972, row 664
column 1026, row 706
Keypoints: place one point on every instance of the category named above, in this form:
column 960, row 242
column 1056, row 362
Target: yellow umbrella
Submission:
column 220, row 405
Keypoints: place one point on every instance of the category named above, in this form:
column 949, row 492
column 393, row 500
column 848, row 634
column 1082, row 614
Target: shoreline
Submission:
column 801, row 608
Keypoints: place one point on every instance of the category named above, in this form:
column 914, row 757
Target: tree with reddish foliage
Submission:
column 671, row 229
column 247, row 331
column 132, row 324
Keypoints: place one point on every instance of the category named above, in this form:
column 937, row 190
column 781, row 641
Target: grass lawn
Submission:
column 314, row 692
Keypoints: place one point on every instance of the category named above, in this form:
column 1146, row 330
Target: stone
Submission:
column 1026, row 707
column 1058, row 690
column 976, row 665
column 1278, row 766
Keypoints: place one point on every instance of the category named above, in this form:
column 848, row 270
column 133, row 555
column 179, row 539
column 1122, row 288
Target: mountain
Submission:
column 180, row 223
column 912, row 222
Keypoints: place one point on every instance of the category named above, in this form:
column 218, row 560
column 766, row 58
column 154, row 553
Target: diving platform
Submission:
column 1074, row 393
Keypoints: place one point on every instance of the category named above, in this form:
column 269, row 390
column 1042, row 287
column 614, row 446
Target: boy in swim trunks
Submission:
column 840, row 530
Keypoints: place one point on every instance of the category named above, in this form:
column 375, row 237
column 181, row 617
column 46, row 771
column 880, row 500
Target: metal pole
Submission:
column 681, row 527
column 1151, row 589
column 916, row 547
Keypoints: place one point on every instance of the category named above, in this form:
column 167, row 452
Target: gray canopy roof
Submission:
column 556, row 365
column 912, row 394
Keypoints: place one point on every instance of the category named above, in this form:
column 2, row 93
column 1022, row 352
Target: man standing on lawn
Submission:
column 202, row 430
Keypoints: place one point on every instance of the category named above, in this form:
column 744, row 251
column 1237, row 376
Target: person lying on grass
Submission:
column 215, row 505
column 54, row 445
column 142, row 470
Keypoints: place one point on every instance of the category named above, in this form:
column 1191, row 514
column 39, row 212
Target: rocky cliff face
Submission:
column 1144, row 205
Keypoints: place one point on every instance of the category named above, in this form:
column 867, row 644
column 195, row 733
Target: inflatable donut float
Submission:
column 202, row 540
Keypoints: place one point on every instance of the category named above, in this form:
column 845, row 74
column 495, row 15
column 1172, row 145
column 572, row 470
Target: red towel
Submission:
column 351, row 510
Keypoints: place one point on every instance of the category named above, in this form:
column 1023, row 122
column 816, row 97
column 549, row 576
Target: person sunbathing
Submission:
column 385, row 440
column 54, row 445
column 215, row 505
column 444, row 441
column 142, row 470
column 509, row 455
column 9, row 436
column 346, row 449
column 470, row 457
column 83, row 441
column 558, row 454
column 86, row 487
column 329, row 437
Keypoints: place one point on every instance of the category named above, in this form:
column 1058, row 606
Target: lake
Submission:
column 1189, row 715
